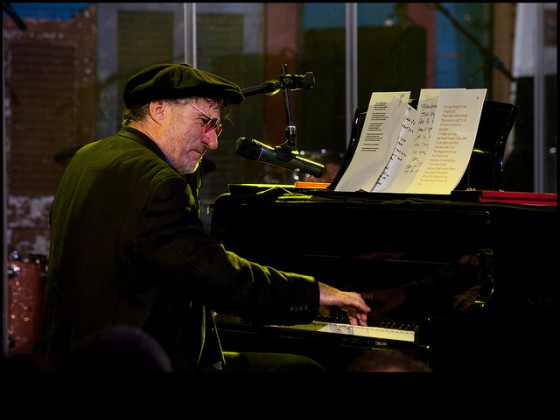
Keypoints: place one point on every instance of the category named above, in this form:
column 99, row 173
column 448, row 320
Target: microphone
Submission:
column 270, row 88
column 276, row 156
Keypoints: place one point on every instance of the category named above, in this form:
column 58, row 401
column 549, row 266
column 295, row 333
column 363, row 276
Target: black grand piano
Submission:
column 368, row 241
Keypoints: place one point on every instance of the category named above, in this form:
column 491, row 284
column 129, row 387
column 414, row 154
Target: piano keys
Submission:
column 384, row 330
column 324, row 337
column 380, row 329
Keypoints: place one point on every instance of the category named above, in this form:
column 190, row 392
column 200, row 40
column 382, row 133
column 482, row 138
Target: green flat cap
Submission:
column 174, row 81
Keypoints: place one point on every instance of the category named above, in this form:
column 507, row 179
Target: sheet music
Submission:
column 450, row 139
column 377, row 140
column 422, row 151
column 399, row 171
column 414, row 145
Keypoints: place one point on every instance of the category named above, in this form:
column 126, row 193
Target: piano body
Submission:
column 369, row 241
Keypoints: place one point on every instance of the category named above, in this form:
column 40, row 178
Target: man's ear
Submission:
column 158, row 110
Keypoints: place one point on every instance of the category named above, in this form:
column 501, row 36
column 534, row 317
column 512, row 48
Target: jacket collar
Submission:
column 140, row 137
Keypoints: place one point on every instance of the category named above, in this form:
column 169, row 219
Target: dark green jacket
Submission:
column 128, row 247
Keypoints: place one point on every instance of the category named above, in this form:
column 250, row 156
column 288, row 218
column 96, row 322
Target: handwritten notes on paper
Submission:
column 384, row 117
column 421, row 151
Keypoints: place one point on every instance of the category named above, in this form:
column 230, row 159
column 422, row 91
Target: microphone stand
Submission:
column 287, row 83
column 15, row 17
column 291, row 132
column 287, row 151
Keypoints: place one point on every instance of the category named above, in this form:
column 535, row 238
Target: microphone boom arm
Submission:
column 287, row 83
column 284, row 155
column 291, row 132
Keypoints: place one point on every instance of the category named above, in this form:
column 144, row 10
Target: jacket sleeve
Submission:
column 180, row 255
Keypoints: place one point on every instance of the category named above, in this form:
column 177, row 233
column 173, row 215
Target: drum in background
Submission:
column 26, row 291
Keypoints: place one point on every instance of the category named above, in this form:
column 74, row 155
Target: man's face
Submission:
column 193, row 126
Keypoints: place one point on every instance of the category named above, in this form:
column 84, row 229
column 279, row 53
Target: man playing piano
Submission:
column 128, row 246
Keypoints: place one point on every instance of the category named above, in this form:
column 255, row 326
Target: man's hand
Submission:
column 350, row 302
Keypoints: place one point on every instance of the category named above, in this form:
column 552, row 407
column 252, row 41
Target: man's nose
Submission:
column 211, row 140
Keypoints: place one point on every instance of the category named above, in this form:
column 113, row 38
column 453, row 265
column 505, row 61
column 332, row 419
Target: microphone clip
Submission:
column 284, row 152
column 297, row 81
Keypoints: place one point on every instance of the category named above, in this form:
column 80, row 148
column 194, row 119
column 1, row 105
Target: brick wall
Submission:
column 49, row 72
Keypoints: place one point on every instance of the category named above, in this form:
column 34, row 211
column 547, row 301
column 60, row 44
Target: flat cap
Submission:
column 174, row 81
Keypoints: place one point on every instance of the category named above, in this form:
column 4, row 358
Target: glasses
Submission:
column 209, row 122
